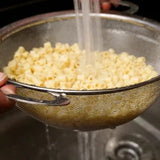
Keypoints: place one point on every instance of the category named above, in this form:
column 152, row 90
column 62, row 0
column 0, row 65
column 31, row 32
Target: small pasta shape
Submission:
column 63, row 67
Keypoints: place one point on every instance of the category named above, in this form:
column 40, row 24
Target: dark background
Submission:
column 13, row 10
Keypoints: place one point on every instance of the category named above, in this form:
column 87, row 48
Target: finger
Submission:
column 5, row 103
column 3, row 78
column 8, row 89
column 115, row 2
column 106, row 6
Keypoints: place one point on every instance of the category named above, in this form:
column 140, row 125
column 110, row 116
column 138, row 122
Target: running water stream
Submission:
column 88, row 27
column 90, row 39
column 91, row 145
column 50, row 144
column 86, row 145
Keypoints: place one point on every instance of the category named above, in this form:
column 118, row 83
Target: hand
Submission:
column 5, row 89
column 106, row 4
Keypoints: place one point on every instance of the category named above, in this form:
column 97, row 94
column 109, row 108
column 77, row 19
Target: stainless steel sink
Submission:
column 24, row 138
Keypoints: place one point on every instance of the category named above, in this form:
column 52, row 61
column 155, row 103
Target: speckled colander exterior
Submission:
column 91, row 112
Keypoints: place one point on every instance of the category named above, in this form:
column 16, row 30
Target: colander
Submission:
column 84, row 110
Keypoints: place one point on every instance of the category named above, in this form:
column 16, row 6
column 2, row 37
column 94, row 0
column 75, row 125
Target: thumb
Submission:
column 3, row 78
column 8, row 89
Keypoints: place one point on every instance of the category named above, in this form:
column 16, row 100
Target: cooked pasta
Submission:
column 63, row 66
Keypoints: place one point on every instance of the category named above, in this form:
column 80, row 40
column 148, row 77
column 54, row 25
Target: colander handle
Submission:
column 133, row 8
column 60, row 99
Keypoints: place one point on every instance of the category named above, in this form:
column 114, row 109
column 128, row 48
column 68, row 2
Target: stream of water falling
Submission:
column 49, row 143
column 89, row 32
column 88, row 27
column 86, row 145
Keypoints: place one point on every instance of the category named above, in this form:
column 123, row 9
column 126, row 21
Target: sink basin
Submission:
column 24, row 138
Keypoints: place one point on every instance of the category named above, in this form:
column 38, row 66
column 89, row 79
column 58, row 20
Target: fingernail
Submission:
column 7, row 91
column 106, row 6
column 2, row 76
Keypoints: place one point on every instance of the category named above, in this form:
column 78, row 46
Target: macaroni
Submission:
column 63, row 67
